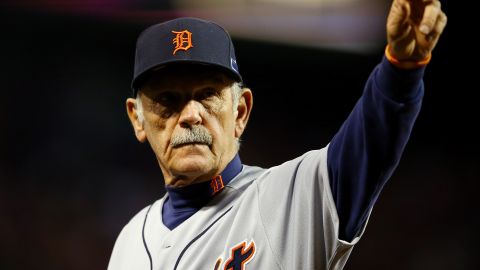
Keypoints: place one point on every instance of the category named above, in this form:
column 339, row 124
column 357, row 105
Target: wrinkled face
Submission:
column 190, row 123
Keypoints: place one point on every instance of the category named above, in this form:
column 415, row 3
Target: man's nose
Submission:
column 191, row 114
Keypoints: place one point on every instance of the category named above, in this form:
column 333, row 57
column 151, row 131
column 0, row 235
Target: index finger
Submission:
column 429, row 18
column 421, row 3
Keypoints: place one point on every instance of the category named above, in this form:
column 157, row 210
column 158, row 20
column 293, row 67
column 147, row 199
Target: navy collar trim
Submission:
column 197, row 195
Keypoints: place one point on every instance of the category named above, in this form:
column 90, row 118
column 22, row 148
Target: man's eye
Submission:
column 206, row 93
column 167, row 98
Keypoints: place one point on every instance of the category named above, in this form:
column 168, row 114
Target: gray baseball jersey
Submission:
column 283, row 217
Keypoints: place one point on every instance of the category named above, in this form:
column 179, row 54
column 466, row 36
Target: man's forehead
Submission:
column 189, row 73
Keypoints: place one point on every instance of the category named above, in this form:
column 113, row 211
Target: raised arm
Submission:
column 367, row 148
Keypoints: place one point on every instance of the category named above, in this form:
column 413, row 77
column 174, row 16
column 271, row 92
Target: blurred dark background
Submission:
column 72, row 173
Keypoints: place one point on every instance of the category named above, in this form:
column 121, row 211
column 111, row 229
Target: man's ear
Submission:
column 244, row 109
column 137, row 123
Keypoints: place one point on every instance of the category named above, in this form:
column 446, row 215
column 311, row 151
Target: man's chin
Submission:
column 192, row 160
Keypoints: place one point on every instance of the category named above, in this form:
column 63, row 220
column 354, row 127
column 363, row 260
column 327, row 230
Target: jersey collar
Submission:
column 197, row 195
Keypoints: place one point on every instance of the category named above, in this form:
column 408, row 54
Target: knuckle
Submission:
column 443, row 17
column 430, row 21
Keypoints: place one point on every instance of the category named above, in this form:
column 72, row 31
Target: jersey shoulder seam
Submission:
column 277, row 261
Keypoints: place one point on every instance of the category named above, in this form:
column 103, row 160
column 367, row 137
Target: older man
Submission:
column 307, row 213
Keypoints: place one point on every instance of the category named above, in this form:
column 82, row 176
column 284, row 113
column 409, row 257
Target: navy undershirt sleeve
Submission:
column 367, row 148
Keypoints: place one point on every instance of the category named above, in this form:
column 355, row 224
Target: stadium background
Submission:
column 72, row 173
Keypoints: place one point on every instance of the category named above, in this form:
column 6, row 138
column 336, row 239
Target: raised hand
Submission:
column 413, row 29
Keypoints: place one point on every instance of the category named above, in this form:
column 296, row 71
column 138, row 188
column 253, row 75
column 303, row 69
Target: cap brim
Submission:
column 145, row 75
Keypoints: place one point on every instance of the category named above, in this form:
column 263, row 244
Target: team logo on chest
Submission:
column 240, row 255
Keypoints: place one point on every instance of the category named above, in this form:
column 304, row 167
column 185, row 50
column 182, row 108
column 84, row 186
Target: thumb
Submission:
column 398, row 26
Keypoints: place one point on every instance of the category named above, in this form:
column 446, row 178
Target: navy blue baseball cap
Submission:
column 183, row 40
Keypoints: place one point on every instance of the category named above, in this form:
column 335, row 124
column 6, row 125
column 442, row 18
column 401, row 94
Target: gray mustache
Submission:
column 195, row 134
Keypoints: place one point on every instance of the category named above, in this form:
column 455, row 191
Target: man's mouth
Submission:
column 189, row 144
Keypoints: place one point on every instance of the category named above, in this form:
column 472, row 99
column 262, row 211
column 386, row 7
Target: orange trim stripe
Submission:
column 406, row 64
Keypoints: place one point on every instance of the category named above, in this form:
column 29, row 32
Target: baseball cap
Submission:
column 183, row 40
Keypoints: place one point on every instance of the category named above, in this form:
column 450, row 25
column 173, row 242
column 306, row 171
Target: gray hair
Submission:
column 236, row 87
column 139, row 108
column 195, row 134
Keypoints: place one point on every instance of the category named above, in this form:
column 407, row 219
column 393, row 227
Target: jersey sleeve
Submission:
column 367, row 148
column 298, row 214
column 129, row 251
column 305, row 203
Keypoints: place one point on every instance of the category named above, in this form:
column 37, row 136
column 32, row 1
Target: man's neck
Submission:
column 183, row 202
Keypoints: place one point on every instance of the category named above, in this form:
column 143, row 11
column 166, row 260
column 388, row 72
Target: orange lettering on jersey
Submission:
column 182, row 40
column 218, row 263
column 217, row 184
column 240, row 256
